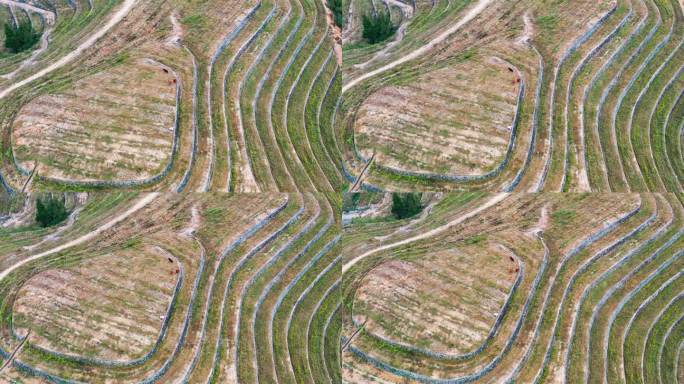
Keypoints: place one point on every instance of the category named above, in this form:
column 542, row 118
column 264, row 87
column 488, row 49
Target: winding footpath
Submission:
column 471, row 14
column 148, row 198
column 114, row 20
column 489, row 203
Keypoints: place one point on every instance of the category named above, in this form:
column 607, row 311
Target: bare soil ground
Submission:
column 114, row 125
column 446, row 301
column 110, row 308
column 454, row 120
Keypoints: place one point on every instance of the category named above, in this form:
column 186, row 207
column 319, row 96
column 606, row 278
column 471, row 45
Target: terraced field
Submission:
column 172, row 96
column 460, row 134
column 75, row 135
column 599, row 104
column 207, row 191
column 171, row 288
column 501, row 288
column 247, row 288
column 518, row 96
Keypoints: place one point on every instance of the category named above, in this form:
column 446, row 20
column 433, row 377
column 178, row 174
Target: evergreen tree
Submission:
column 50, row 211
column 21, row 37
column 377, row 28
column 405, row 205
column 337, row 10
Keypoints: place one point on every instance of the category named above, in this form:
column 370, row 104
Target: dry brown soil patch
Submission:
column 445, row 301
column 454, row 120
column 117, row 124
column 111, row 307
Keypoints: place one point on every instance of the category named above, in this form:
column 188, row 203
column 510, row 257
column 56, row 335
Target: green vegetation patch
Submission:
column 21, row 37
column 350, row 201
column 475, row 239
column 194, row 21
column 563, row 217
column 405, row 205
column 378, row 27
column 50, row 211
column 337, row 10
column 547, row 22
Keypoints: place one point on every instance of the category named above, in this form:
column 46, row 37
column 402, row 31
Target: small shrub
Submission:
column 350, row 201
column 50, row 211
column 194, row 21
column 563, row 217
column 405, row 205
column 21, row 37
column 337, row 10
column 215, row 215
column 547, row 22
column 475, row 239
column 377, row 28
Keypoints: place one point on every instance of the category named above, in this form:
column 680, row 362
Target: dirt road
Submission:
column 115, row 19
column 146, row 199
column 471, row 14
column 492, row 201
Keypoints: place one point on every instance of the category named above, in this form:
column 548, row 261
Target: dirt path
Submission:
column 22, row 216
column 471, row 14
column 543, row 222
column 115, row 19
column 177, row 34
column 489, row 203
column 528, row 29
column 44, row 39
column 89, row 236
column 194, row 224
column 407, row 15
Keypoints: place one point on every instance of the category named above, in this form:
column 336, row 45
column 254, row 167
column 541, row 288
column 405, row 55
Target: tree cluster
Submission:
column 337, row 10
column 378, row 27
column 21, row 37
column 50, row 211
column 405, row 205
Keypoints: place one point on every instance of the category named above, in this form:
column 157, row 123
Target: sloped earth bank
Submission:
column 600, row 83
column 256, row 88
column 176, row 288
column 599, row 276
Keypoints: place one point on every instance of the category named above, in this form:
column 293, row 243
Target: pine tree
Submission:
column 377, row 28
column 405, row 205
column 21, row 37
column 337, row 10
column 50, row 211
